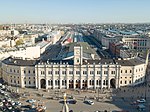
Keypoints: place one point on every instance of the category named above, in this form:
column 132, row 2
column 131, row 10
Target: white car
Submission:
column 1, row 104
column 31, row 101
column 18, row 103
column 89, row 102
column 9, row 100
column 141, row 101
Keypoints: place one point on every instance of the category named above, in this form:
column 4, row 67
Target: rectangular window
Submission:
column 57, row 72
column 98, row 72
column 10, row 70
column 42, row 72
column 70, row 72
column 105, row 72
column 78, row 72
column 84, row 72
column 130, row 71
column 112, row 72
column 91, row 72
column 63, row 72
column 125, row 71
column 49, row 72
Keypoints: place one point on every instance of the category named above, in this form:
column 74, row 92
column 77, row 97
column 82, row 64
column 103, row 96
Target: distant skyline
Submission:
column 74, row 11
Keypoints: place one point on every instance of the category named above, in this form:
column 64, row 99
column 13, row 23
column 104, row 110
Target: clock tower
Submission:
column 78, row 55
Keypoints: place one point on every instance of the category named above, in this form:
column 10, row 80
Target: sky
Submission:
column 74, row 11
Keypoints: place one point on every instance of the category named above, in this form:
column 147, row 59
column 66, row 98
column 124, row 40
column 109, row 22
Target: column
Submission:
column 108, row 77
column 101, row 77
column 74, row 81
column 101, row 82
column 67, row 79
column 22, row 82
column 60, row 79
column 53, row 78
column 39, row 83
column 94, row 77
column 80, row 83
column 46, row 83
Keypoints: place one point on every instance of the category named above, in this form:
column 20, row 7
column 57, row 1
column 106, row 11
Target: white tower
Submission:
column 78, row 53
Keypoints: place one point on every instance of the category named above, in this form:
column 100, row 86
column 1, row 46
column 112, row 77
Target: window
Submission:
column 24, row 71
column 130, row 82
column 14, row 81
column 42, row 72
column 24, row 82
column 57, row 72
column 14, row 70
column 70, row 72
column 33, row 82
column 112, row 72
column 77, row 60
column 125, row 71
column 125, row 82
column 17, row 71
column 106, row 82
column 10, row 70
column 120, row 82
column 84, row 72
column 29, row 82
column 29, row 71
column 121, row 71
column 18, row 82
column 98, row 72
column 29, row 77
column 105, row 72
column 125, row 77
column 49, row 82
column 130, row 71
column 77, row 72
column 33, row 71
column 91, row 72
column 103, row 82
column 49, row 72
column 92, row 82
column 11, row 81
column 97, row 82
column 14, row 76
column 62, row 82
column 63, row 72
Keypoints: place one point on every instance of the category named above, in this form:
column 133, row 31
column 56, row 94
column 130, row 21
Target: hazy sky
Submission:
column 74, row 11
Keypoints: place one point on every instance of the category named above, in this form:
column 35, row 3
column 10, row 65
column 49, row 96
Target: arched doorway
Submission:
column 43, row 83
column 113, row 83
column 70, row 83
column 78, row 84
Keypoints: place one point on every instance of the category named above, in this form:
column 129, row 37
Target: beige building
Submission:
column 77, row 72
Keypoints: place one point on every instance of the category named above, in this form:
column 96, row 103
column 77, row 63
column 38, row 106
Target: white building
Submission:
column 73, row 73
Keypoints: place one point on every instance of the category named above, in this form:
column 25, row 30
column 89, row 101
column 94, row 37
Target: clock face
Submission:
column 77, row 52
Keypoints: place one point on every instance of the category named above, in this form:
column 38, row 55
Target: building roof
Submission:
column 68, row 50
column 102, row 61
column 19, row 62
column 42, row 44
column 131, row 62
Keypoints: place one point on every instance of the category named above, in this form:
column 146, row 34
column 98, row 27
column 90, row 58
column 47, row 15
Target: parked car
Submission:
column 17, row 103
column 69, row 101
column 89, row 102
column 141, row 101
column 31, row 101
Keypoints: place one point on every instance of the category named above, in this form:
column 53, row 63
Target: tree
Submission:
column 19, row 42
